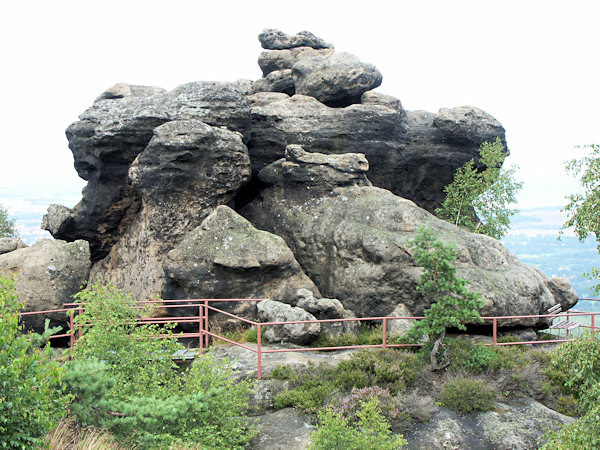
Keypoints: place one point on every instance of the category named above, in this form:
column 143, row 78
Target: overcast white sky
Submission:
column 534, row 65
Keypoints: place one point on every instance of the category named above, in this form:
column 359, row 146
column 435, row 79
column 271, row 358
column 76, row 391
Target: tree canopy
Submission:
column 479, row 200
column 7, row 225
column 583, row 209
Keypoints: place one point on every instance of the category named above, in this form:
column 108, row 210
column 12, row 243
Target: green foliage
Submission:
column 32, row 401
column 7, row 225
column 282, row 373
column 140, row 363
column 309, row 396
column 579, row 362
column 582, row 209
column 452, row 304
column 40, row 340
column 252, row 334
column 314, row 387
column 368, row 335
column 391, row 368
column 479, row 201
column 125, row 380
column 371, row 430
column 468, row 394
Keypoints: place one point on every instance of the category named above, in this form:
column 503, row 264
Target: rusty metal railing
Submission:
column 204, row 333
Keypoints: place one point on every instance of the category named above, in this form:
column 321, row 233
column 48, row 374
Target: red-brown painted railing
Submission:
column 204, row 334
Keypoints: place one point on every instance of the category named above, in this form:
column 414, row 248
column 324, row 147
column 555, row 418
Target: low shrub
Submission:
column 411, row 404
column 371, row 430
column 468, row 394
column 309, row 397
column 282, row 373
column 125, row 381
column 576, row 364
column 383, row 367
column 32, row 401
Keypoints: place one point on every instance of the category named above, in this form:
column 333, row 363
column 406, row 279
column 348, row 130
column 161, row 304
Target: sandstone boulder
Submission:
column 112, row 133
column 337, row 79
column 562, row 291
column 399, row 327
column 300, row 333
column 328, row 308
column 273, row 39
column 351, row 239
column 10, row 244
column 48, row 274
column 122, row 90
column 226, row 257
column 276, row 81
column 518, row 426
column 408, row 154
column 187, row 169
column 272, row 60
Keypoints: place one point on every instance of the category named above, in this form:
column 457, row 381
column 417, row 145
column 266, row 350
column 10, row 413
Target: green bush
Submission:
column 576, row 364
column 468, row 394
column 382, row 367
column 371, row 430
column 125, row 380
column 32, row 400
column 282, row 373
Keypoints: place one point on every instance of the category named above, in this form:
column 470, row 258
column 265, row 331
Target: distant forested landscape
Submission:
column 534, row 239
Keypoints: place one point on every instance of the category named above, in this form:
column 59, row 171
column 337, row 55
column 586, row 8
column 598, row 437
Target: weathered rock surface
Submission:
column 399, row 327
column 328, row 308
column 10, row 244
column 351, row 240
column 562, row 291
column 336, row 79
column 226, row 257
column 48, row 274
column 287, row 429
column 273, row 39
column 410, row 153
column 187, row 170
column 122, row 90
column 519, row 426
column 276, row 81
column 272, row 60
column 109, row 136
column 299, row 333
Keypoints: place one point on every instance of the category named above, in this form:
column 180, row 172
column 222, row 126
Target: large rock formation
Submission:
column 112, row 133
column 48, row 274
column 412, row 154
column 226, row 257
column 187, row 169
column 352, row 240
column 296, row 152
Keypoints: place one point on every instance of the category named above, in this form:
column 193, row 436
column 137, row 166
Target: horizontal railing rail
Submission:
column 204, row 333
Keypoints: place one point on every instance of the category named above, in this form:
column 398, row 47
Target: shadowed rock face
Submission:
column 226, row 257
column 352, row 240
column 112, row 133
column 187, row 170
column 412, row 154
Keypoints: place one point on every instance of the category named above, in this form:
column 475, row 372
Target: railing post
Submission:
column 384, row 340
column 200, row 329
column 593, row 325
column 206, row 337
column 495, row 332
column 568, row 332
column 72, row 329
column 258, row 354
